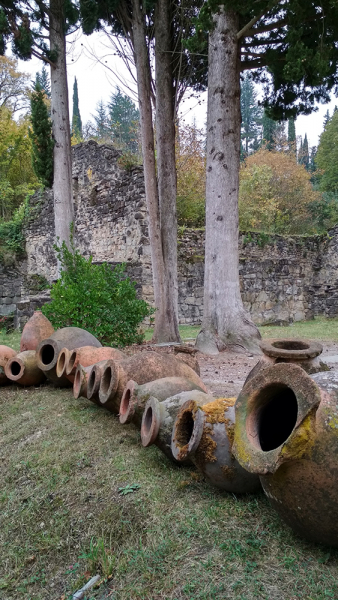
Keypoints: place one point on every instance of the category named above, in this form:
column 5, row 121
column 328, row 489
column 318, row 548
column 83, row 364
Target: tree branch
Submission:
column 43, row 58
column 254, row 20
column 271, row 27
column 253, row 64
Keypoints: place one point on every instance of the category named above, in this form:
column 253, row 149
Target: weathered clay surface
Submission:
column 37, row 329
column 6, row 353
column 48, row 351
column 135, row 396
column 89, row 355
column 142, row 368
column 96, row 374
column 287, row 432
column 159, row 417
column 81, row 381
column 23, row 369
column 204, row 434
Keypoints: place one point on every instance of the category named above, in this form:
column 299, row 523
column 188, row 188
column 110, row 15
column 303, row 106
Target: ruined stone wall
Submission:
column 283, row 279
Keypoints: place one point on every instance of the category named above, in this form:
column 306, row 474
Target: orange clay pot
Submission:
column 204, row 434
column 6, row 354
column 37, row 329
column 159, row 417
column 23, row 369
column 142, row 368
column 81, row 381
column 86, row 356
column 135, row 396
column 48, row 351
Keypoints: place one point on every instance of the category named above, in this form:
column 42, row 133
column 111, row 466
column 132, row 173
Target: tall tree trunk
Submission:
column 62, row 184
column 166, row 165
column 225, row 322
column 163, row 331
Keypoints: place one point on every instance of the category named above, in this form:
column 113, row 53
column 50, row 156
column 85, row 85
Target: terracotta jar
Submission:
column 88, row 355
column 287, row 432
column 159, row 417
column 304, row 353
column 6, row 354
column 135, row 396
column 142, row 368
column 23, row 369
column 37, row 329
column 48, row 351
column 204, row 434
column 81, row 381
column 94, row 379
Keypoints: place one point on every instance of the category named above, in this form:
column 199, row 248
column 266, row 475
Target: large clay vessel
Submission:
column 135, row 396
column 95, row 377
column 287, row 432
column 48, row 351
column 159, row 417
column 141, row 367
column 81, row 381
column 23, row 369
column 6, row 353
column 304, row 353
column 37, row 329
column 204, row 434
column 88, row 355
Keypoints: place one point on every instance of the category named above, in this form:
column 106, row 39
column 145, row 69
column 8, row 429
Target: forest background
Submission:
column 286, row 187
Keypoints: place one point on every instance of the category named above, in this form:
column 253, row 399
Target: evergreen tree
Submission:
column 251, row 115
column 292, row 134
column 41, row 137
column 269, row 131
column 304, row 158
column 326, row 118
column 42, row 79
column 101, row 122
column 312, row 162
column 76, row 120
column 327, row 156
column 123, row 121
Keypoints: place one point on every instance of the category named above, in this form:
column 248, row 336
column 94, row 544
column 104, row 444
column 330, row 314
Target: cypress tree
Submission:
column 292, row 134
column 269, row 131
column 41, row 137
column 326, row 118
column 42, row 80
column 76, row 120
column 100, row 118
column 251, row 115
column 306, row 158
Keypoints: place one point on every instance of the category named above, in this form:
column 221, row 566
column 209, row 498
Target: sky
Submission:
column 97, row 80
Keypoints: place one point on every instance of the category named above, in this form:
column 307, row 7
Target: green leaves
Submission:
column 129, row 489
column 98, row 298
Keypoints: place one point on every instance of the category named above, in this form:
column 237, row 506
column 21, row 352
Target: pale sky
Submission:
column 96, row 82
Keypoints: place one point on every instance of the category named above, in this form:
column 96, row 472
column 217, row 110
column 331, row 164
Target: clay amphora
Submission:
column 88, row 355
column 23, row 369
column 287, row 432
column 159, row 417
column 81, row 381
column 204, row 434
column 6, row 353
column 135, row 396
column 37, row 329
column 95, row 377
column 48, row 351
column 304, row 353
column 141, row 367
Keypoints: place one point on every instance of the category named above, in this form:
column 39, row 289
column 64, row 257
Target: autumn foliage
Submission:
column 275, row 194
column 190, row 166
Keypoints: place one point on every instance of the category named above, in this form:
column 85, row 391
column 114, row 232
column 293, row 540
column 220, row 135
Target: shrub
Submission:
column 97, row 298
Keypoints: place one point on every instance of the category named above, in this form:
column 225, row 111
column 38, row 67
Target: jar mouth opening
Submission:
column 47, row 354
column 184, row 428
column 273, row 418
column 290, row 345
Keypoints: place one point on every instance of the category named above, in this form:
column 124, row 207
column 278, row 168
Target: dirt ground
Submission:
column 224, row 374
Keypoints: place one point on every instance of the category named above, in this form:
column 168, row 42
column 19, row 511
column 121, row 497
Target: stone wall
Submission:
column 283, row 279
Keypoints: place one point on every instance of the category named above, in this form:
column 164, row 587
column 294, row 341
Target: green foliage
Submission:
column 12, row 240
column 42, row 80
column 97, row 298
column 327, row 155
column 101, row 122
column 128, row 161
column 251, row 115
column 123, row 121
column 41, row 137
column 324, row 212
column 76, row 121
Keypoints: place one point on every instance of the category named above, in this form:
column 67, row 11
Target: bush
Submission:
column 97, row 298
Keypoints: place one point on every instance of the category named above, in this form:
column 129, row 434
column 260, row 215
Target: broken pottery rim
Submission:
column 306, row 349
column 248, row 408
column 182, row 451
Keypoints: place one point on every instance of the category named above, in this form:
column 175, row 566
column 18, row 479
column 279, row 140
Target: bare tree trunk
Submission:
column 166, row 165
column 225, row 322
column 62, row 184
column 163, row 331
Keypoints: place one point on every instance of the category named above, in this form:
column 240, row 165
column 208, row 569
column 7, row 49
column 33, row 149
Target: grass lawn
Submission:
column 65, row 515
column 319, row 328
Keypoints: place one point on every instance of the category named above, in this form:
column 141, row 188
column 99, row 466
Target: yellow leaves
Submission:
column 190, row 165
column 275, row 193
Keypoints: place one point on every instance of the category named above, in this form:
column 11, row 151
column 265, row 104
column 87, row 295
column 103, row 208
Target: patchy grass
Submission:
column 65, row 515
column 319, row 328
column 10, row 339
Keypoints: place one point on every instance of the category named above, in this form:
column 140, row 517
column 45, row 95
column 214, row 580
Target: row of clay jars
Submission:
column 287, row 433
column 106, row 382
column 204, row 435
column 68, row 360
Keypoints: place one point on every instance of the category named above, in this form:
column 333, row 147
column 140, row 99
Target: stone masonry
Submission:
column 283, row 279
